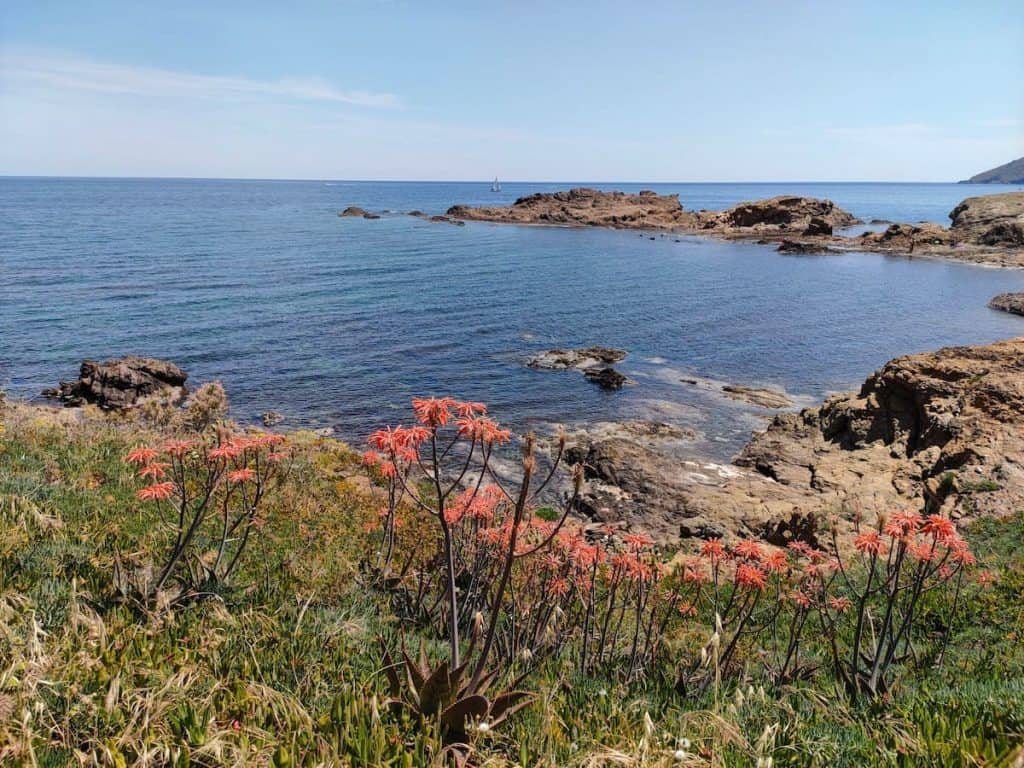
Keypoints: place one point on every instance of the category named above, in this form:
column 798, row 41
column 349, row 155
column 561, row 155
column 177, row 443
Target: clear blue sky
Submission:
column 651, row 91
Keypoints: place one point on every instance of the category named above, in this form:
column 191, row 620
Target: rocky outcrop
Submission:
column 786, row 213
column 594, row 362
column 996, row 220
column 942, row 431
column 986, row 230
column 353, row 210
column 1009, row 302
column 584, row 357
column 123, row 383
column 764, row 398
column 584, row 207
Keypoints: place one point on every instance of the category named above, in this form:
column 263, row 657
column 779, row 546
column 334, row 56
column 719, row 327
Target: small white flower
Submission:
column 603, row 692
column 483, row 727
column 681, row 754
column 684, row 742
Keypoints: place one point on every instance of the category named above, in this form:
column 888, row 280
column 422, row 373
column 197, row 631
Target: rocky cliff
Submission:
column 1008, row 173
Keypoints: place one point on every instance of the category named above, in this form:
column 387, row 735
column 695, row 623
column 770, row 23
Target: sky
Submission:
column 541, row 91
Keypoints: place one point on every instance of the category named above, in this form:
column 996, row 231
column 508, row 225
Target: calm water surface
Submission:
column 340, row 321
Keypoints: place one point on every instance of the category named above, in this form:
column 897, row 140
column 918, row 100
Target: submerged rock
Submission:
column 123, row 383
column 271, row 418
column 798, row 246
column 765, row 398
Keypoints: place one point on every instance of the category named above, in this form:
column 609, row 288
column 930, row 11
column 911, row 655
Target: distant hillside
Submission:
column 1011, row 173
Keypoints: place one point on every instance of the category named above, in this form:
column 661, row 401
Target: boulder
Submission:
column 994, row 220
column 605, row 377
column 583, row 357
column 1009, row 302
column 123, row 383
column 786, row 213
column 353, row 210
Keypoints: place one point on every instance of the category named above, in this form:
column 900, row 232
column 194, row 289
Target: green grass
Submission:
column 285, row 670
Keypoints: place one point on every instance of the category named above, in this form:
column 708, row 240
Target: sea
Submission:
column 337, row 322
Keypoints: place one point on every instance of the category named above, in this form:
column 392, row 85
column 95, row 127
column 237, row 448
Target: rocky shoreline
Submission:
column 984, row 230
column 936, row 432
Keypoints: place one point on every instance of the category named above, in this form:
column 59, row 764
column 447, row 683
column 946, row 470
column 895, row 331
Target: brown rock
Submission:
column 765, row 398
column 123, row 383
column 1009, row 302
column 990, row 220
column 787, row 214
column 353, row 210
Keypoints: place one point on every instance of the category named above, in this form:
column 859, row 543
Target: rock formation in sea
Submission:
column 1009, row 302
column 987, row 229
column 122, row 383
column 353, row 210
column 936, row 432
column 594, row 362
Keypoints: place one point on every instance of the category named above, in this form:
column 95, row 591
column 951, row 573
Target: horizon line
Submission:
column 481, row 181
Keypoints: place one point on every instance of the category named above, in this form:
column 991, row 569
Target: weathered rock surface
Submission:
column 584, row 357
column 447, row 220
column 942, row 431
column 594, row 362
column 785, row 213
column 765, row 398
column 990, row 220
column 986, row 230
column 123, row 383
column 353, row 210
column 271, row 418
column 1009, row 302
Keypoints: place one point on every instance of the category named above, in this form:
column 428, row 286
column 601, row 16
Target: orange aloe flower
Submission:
column 141, row 456
column 156, row 492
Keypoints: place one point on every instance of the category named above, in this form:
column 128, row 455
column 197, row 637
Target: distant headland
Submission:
column 1008, row 173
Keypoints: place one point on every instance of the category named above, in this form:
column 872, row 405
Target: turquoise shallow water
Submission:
column 339, row 321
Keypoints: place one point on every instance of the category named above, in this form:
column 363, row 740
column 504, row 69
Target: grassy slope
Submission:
column 286, row 670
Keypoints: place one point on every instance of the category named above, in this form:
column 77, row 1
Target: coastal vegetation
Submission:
column 177, row 590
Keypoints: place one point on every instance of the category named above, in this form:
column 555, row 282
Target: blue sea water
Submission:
column 339, row 321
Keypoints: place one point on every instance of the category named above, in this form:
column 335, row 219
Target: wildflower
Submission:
column 242, row 475
column 776, row 562
column 942, row 528
column 986, row 578
column 226, row 450
column 800, row 547
column 275, row 456
column 802, row 599
column 684, row 743
column 637, row 541
column 869, row 543
column 483, row 430
column 751, row 577
column 713, row 550
column 156, row 492
column 687, row 609
column 433, row 412
column 469, row 409
column 177, row 448
column 483, row 727
column 748, row 550
column 681, row 754
column 141, row 456
column 559, row 587
column 371, row 458
column 154, row 470
column 840, row 604
column 961, row 553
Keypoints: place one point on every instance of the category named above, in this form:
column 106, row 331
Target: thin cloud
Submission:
column 83, row 74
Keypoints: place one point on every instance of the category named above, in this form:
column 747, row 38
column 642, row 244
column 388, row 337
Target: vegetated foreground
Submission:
column 177, row 591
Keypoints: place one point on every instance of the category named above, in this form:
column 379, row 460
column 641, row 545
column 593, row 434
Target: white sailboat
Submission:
column 496, row 186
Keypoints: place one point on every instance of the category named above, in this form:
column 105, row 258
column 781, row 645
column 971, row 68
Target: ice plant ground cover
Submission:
column 904, row 650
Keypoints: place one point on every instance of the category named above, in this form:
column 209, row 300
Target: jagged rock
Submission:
column 583, row 357
column 787, row 213
column 353, row 210
column 908, row 236
column 123, row 383
column 271, row 418
column 797, row 246
column 605, row 377
column 1009, row 302
column 937, row 432
column 990, row 220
